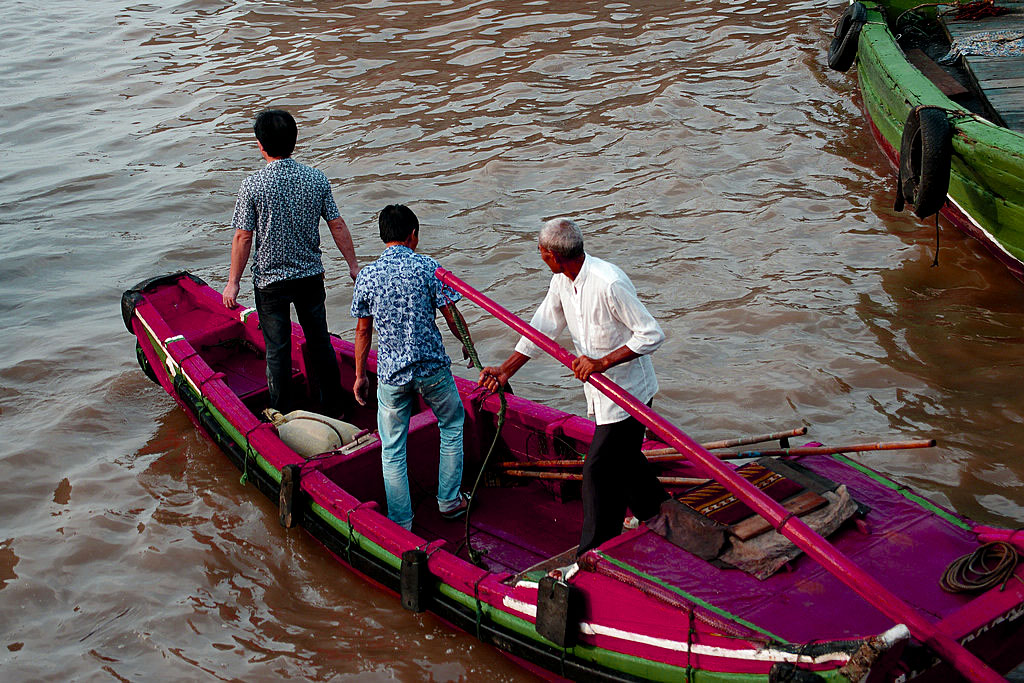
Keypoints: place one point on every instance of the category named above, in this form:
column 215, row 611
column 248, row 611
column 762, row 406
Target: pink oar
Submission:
column 791, row 527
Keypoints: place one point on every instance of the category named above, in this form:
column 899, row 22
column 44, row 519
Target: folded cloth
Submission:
column 688, row 529
column 1008, row 43
column 763, row 555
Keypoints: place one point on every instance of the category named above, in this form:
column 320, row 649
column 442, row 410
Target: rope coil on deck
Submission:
column 990, row 565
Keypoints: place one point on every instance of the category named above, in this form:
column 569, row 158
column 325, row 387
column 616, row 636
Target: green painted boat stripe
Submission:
column 693, row 598
column 360, row 541
column 903, row 491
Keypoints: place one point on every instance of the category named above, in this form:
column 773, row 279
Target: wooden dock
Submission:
column 1000, row 79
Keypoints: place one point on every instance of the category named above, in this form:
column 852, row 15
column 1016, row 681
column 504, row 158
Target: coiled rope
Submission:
column 990, row 565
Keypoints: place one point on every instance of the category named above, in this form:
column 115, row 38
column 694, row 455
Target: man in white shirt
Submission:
column 613, row 334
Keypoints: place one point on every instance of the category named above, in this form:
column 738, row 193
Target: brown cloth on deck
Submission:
column 764, row 555
column 688, row 529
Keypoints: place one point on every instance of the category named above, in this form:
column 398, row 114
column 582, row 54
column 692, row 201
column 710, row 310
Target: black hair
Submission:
column 397, row 222
column 276, row 131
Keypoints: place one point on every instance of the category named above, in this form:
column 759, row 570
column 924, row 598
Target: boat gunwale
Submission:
column 383, row 562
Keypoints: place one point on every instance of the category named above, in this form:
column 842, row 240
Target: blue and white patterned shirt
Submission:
column 401, row 293
column 283, row 203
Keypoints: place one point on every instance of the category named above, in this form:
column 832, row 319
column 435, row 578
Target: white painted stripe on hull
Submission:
column 762, row 655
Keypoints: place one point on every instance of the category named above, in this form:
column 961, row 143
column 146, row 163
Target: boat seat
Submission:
column 225, row 332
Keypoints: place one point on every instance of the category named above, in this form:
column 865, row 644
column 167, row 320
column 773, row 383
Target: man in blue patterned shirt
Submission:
column 281, row 206
column 397, row 295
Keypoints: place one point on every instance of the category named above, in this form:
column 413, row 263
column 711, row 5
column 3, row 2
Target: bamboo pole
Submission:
column 793, row 528
column 574, row 476
column 655, row 454
column 537, row 464
column 829, row 450
column 730, row 443
column 808, row 450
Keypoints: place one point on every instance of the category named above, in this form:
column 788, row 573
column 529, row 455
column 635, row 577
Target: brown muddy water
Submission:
column 704, row 147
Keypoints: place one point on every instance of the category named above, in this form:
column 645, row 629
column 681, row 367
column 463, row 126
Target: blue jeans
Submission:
column 394, row 408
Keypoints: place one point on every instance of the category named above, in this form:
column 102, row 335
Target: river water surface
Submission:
column 703, row 147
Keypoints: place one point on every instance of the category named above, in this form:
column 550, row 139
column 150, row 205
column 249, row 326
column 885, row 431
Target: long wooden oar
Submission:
column 658, row 454
column 573, row 476
column 807, row 450
column 829, row 450
column 731, row 443
column 792, row 527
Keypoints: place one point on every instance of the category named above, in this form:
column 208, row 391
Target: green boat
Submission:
column 943, row 95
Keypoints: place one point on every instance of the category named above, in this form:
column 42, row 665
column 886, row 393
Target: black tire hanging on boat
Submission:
column 925, row 153
column 144, row 363
column 843, row 49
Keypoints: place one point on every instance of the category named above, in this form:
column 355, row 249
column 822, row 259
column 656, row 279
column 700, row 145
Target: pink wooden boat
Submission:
column 867, row 604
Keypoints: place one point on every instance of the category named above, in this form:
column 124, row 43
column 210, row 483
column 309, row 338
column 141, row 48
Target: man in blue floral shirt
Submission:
column 397, row 295
column 281, row 206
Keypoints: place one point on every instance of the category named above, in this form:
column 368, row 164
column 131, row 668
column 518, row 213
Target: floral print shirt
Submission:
column 282, row 204
column 401, row 293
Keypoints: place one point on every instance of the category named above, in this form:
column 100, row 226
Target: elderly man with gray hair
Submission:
column 614, row 334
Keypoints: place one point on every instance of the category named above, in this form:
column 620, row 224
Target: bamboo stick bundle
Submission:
column 656, row 454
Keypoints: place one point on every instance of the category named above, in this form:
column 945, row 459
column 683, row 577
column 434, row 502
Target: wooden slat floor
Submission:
column 1000, row 79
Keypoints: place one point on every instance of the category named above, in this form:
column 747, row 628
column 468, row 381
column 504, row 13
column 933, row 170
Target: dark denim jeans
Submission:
column 273, row 305
column 617, row 475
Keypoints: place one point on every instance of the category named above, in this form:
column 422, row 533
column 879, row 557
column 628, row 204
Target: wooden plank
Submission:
column 966, row 29
column 1008, row 105
column 1014, row 20
column 1000, row 79
column 994, row 67
column 1016, row 122
column 950, row 87
column 798, row 505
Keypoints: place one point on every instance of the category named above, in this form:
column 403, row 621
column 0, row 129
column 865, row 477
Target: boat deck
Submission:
column 999, row 75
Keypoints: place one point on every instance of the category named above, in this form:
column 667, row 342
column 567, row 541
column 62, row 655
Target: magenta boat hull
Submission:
column 650, row 610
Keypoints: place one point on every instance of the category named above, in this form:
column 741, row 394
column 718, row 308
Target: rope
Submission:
column 248, row 451
column 209, row 378
column 476, row 556
column 689, row 648
column 341, row 439
column 351, row 530
column 479, row 607
column 991, row 564
column 978, row 9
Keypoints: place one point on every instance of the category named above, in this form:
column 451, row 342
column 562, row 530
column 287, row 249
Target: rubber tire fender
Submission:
column 926, row 150
column 843, row 49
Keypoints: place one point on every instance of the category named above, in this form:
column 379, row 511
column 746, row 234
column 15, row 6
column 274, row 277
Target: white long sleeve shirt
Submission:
column 602, row 312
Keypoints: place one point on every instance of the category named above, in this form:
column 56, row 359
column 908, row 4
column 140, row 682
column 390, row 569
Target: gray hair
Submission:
column 563, row 237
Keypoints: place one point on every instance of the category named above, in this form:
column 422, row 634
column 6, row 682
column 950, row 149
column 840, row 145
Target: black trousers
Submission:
column 616, row 475
column 273, row 303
